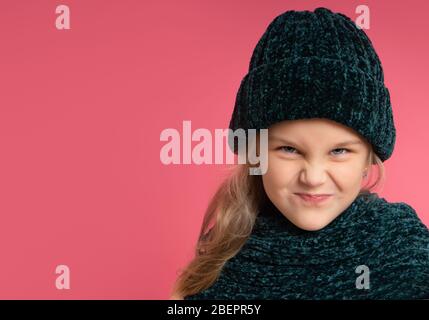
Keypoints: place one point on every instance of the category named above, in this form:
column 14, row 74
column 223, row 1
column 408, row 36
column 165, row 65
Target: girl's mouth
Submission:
column 313, row 199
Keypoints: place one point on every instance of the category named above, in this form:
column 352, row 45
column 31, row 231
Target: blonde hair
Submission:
column 228, row 222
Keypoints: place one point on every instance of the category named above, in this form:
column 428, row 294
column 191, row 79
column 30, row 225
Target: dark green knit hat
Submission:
column 316, row 65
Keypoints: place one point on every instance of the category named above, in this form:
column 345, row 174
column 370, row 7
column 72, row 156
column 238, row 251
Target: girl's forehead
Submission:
column 307, row 127
column 314, row 131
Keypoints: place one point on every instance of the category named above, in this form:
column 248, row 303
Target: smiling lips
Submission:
column 313, row 198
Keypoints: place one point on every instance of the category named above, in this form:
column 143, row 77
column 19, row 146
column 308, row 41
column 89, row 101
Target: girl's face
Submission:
column 308, row 156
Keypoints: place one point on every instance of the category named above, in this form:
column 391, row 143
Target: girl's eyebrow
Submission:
column 341, row 144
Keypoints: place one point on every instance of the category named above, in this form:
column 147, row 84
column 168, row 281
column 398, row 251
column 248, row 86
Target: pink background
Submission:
column 81, row 112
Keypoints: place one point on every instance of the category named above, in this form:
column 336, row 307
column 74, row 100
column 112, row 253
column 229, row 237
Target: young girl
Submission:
column 310, row 227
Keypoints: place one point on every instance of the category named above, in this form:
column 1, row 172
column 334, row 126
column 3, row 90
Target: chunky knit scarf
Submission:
column 372, row 250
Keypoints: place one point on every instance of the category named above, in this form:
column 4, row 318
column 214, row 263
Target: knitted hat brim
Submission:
column 313, row 87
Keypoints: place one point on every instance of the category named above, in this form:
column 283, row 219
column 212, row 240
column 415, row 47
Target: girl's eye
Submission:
column 285, row 147
column 347, row 150
column 289, row 147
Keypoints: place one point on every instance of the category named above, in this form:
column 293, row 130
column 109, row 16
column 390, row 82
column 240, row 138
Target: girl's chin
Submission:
column 311, row 224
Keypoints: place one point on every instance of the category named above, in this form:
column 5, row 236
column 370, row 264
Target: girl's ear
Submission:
column 371, row 158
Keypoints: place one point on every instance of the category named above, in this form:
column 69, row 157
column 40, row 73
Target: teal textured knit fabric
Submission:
column 281, row 261
column 315, row 64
